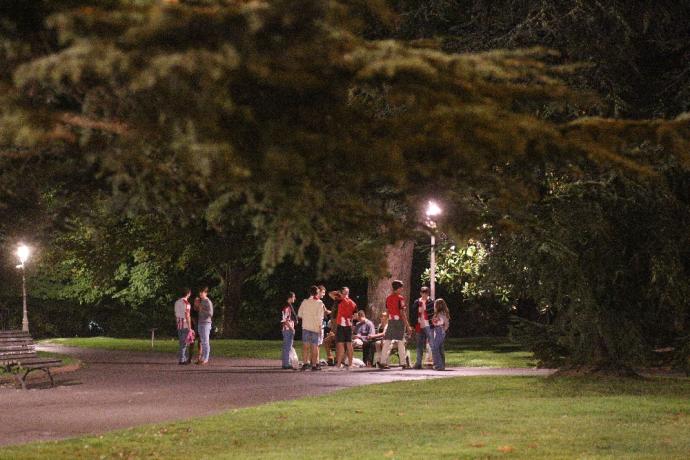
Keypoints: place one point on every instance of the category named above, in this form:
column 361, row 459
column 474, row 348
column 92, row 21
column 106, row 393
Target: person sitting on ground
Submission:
column 363, row 331
column 311, row 313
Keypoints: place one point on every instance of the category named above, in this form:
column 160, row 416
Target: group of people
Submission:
column 349, row 326
column 194, row 326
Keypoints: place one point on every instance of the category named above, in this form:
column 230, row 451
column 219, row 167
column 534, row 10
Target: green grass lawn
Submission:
column 485, row 417
column 472, row 352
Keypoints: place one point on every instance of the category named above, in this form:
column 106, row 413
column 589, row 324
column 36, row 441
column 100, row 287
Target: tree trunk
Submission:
column 399, row 266
column 232, row 281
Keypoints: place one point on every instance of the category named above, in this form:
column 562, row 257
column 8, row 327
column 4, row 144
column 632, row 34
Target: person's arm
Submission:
column 405, row 314
column 285, row 318
column 188, row 317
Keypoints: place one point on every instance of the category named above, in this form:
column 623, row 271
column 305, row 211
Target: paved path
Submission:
column 117, row 389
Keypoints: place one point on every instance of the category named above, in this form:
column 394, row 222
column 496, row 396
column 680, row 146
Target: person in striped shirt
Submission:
column 184, row 322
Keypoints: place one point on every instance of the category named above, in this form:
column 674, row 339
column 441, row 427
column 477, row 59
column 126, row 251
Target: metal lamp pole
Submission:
column 23, row 254
column 432, row 268
column 25, row 317
column 432, row 211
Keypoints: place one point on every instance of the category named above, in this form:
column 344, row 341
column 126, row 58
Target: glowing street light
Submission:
column 432, row 210
column 23, row 252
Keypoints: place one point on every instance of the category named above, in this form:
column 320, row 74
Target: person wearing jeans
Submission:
column 440, row 320
column 205, row 317
column 420, row 316
column 183, row 320
column 288, row 325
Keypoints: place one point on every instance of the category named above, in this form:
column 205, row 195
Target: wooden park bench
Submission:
column 18, row 356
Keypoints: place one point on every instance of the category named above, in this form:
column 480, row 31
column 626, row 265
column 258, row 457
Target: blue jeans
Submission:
column 422, row 336
column 288, row 337
column 182, row 352
column 204, row 333
column 437, row 348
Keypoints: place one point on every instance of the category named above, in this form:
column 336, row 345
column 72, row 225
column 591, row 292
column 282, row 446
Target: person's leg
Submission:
column 287, row 344
column 350, row 353
column 315, row 356
column 306, row 351
column 385, row 352
column 441, row 350
column 435, row 348
column 402, row 354
column 378, row 352
column 339, row 353
column 182, row 351
column 329, row 345
column 367, row 353
column 205, row 332
column 421, row 342
column 207, row 339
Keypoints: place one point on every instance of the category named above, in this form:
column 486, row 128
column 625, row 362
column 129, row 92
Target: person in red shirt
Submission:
column 343, row 334
column 397, row 325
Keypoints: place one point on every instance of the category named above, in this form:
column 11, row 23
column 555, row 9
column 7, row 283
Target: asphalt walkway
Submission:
column 119, row 389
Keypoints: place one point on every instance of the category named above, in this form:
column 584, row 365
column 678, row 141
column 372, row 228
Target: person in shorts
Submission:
column 397, row 325
column 311, row 313
column 343, row 332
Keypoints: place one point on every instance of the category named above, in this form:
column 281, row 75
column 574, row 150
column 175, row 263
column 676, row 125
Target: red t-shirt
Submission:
column 394, row 303
column 346, row 308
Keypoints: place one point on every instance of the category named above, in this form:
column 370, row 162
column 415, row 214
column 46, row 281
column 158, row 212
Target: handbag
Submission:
column 190, row 337
column 294, row 359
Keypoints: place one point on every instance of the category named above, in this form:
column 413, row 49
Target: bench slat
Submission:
column 14, row 334
column 19, row 351
column 16, row 346
column 18, row 356
column 33, row 362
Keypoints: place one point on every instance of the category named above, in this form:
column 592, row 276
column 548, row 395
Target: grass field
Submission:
column 473, row 352
column 475, row 417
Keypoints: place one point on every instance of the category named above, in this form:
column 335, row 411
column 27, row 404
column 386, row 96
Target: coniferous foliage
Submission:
column 285, row 131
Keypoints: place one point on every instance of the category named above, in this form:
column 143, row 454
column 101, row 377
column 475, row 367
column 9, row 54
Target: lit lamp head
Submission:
column 432, row 210
column 23, row 253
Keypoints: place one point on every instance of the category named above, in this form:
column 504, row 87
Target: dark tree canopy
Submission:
column 301, row 130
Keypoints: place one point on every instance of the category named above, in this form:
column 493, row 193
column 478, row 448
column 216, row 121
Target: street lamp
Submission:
column 23, row 255
column 432, row 210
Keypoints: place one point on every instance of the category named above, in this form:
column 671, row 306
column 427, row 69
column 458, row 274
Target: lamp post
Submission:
column 23, row 255
column 432, row 210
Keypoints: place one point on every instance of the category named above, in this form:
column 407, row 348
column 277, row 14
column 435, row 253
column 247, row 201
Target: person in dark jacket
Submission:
column 420, row 318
